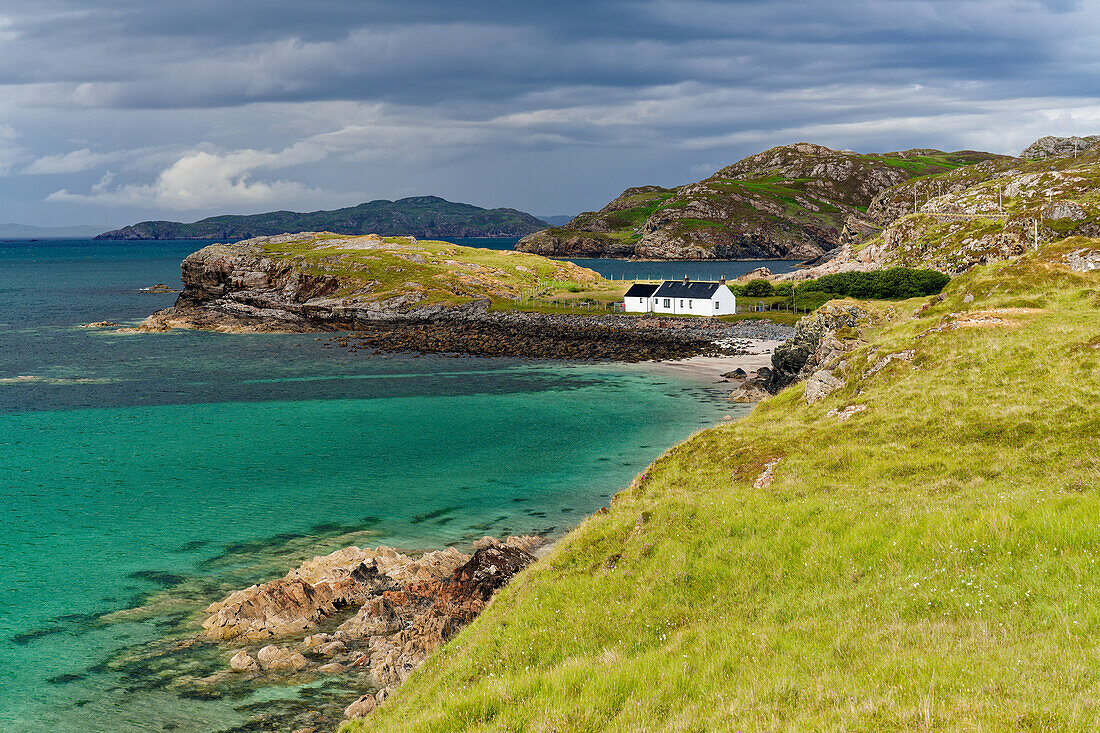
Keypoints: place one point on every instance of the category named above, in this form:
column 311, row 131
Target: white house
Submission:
column 638, row 298
column 682, row 297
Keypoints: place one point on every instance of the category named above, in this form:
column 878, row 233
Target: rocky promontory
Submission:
column 401, row 294
column 372, row 615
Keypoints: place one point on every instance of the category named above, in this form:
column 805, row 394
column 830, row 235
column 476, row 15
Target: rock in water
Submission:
column 274, row 658
column 242, row 661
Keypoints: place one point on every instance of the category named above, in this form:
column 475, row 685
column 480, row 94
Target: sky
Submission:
column 115, row 111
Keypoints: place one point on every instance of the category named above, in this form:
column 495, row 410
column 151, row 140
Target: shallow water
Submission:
column 159, row 470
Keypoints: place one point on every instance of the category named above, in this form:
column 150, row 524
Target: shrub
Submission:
column 758, row 289
column 897, row 282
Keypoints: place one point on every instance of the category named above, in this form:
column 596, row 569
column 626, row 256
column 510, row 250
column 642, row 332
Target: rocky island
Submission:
column 400, row 293
column 418, row 216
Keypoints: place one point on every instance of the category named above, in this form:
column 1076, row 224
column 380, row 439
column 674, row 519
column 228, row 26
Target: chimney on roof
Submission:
column 685, row 279
column 721, row 279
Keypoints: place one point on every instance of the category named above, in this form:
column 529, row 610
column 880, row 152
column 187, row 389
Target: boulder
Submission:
column 360, row 708
column 820, row 385
column 242, row 661
column 333, row 648
column 278, row 658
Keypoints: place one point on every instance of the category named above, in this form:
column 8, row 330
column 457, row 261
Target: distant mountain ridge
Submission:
column 428, row 217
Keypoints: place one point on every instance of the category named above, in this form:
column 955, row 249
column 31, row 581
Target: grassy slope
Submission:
column 929, row 563
column 441, row 271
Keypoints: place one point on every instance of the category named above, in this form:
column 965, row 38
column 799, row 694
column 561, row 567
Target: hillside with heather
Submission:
column 790, row 202
column 417, row 216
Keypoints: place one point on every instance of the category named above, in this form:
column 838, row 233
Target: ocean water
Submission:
column 143, row 476
column 644, row 270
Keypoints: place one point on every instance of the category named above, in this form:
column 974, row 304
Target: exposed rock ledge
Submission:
column 399, row 609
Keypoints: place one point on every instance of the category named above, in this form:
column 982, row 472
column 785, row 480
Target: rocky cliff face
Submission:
column 790, row 202
column 983, row 213
column 814, row 354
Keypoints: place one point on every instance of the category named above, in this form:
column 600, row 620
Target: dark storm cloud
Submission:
column 205, row 53
column 202, row 105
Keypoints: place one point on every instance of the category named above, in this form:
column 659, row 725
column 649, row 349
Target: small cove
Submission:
column 158, row 471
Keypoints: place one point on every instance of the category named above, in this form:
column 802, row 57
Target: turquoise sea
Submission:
column 142, row 476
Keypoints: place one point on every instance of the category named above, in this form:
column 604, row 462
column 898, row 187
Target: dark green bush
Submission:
column 758, row 289
column 897, row 282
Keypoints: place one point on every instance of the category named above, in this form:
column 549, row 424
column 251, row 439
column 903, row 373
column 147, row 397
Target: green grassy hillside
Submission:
column 428, row 271
column 788, row 202
column 928, row 563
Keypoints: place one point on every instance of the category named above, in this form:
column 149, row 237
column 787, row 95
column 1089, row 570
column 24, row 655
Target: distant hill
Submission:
column 557, row 220
column 26, row 231
column 428, row 217
column 790, row 202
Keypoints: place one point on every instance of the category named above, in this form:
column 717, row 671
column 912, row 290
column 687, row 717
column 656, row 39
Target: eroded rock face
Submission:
column 819, row 340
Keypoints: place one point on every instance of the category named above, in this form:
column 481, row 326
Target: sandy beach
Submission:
column 711, row 368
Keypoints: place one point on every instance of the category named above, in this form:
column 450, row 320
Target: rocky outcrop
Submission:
column 574, row 244
column 979, row 214
column 790, row 202
column 1052, row 146
column 819, row 342
column 396, row 610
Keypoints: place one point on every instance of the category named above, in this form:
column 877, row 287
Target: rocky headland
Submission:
column 400, row 294
column 988, row 212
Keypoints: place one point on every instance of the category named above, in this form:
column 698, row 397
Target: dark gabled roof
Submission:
column 690, row 289
column 641, row 290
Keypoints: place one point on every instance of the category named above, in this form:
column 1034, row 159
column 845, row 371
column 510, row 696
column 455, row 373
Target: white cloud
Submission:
column 202, row 179
column 72, row 162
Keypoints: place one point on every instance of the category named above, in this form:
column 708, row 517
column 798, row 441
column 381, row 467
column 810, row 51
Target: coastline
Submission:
column 413, row 610
column 713, row 368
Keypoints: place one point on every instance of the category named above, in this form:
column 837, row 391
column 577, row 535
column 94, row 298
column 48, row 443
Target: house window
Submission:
column 668, row 303
column 681, row 304
column 716, row 305
column 690, row 304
